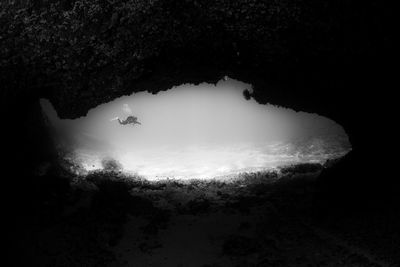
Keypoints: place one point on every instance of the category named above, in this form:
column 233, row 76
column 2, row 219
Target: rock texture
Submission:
column 331, row 58
column 328, row 57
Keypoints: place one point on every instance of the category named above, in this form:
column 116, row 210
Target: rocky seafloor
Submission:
column 259, row 219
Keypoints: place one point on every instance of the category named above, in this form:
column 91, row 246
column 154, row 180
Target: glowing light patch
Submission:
column 203, row 132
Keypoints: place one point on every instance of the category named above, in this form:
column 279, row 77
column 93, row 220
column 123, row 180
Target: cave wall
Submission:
column 327, row 57
column 331, row 57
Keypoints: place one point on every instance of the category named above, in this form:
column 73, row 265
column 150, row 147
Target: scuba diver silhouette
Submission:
column 129, row 120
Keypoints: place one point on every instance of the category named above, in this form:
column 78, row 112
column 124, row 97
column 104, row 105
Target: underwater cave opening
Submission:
column 190, row 131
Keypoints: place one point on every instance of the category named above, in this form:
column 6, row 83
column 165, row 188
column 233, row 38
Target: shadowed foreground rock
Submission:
column 108, row 219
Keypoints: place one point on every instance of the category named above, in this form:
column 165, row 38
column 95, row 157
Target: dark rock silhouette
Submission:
column 331, row 57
